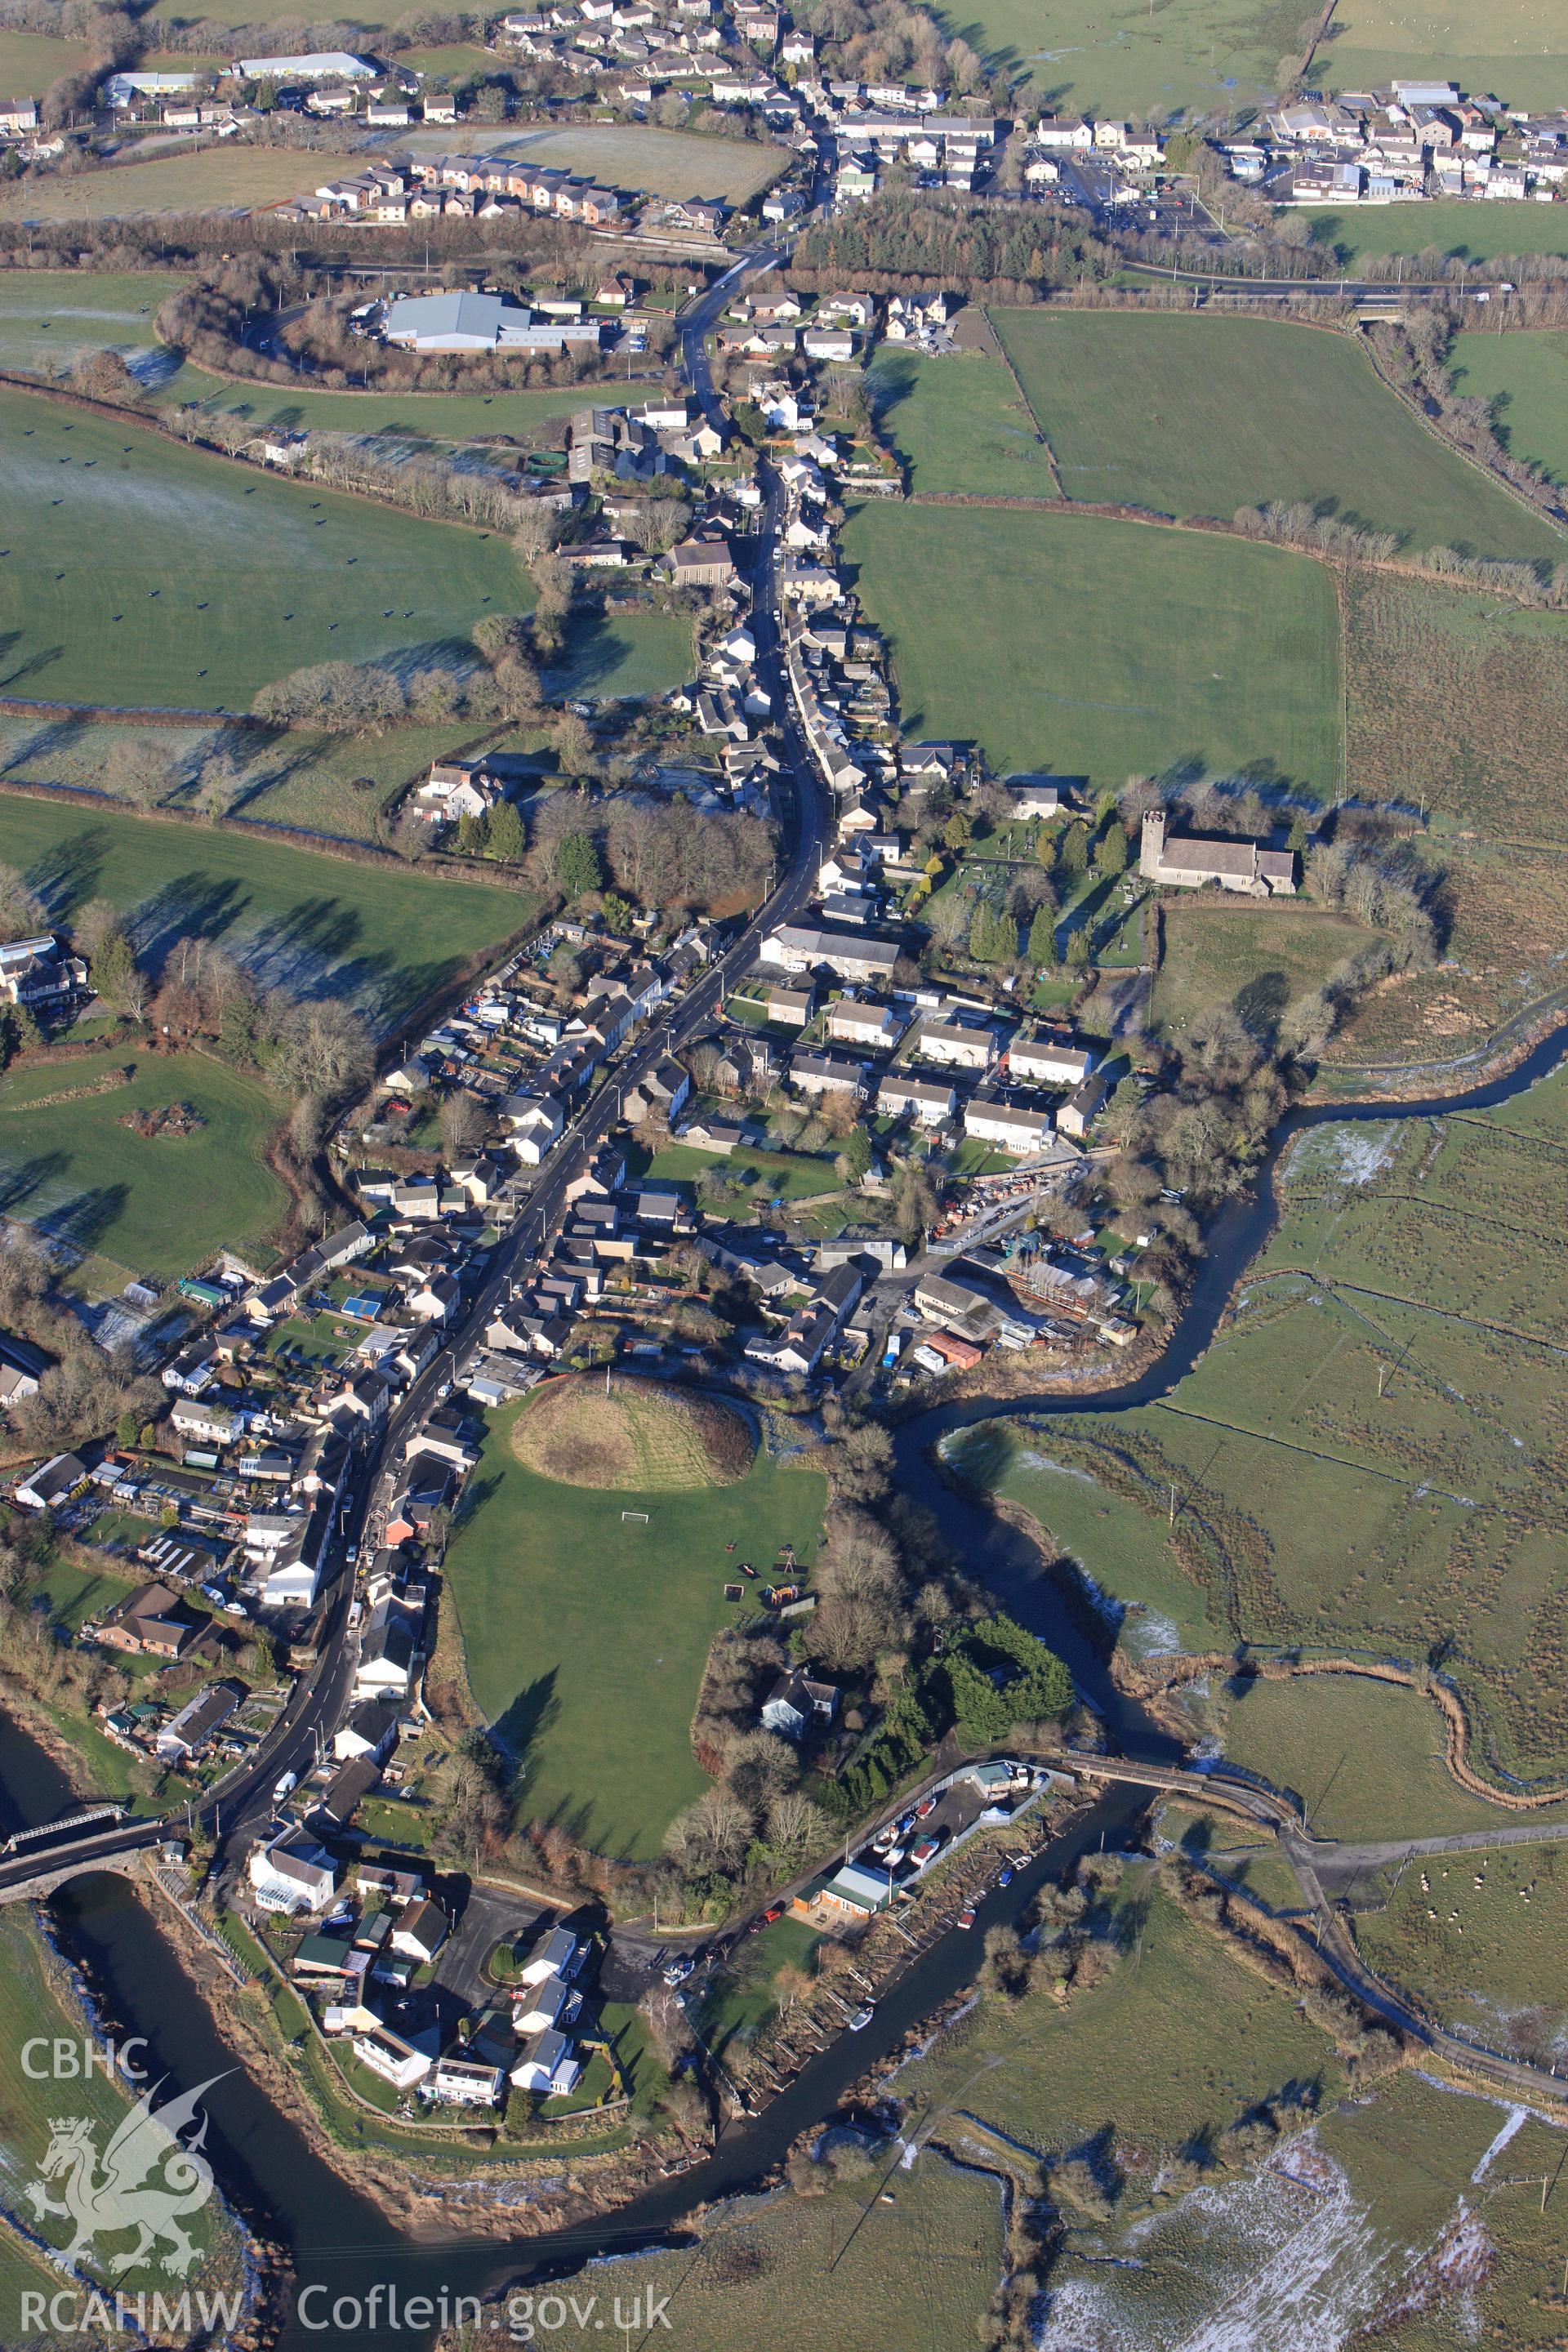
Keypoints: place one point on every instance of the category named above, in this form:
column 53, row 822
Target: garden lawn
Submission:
column 47, row 316
column 585, row 1636
column 1450, row 226
column 960, row 424
column 769, row 1175
column 1103, row 649
column 1255, row 958
column 1201, row 415
column 157, row 1206
column 742, row 1999
column 1525, row 376
column 380, row 937
column 1104, row 58
column 135, row 571
column 212, row 178
column 1514, row 48
column 628, row 655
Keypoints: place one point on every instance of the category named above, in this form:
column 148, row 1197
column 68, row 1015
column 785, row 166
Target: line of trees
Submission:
column 1011, row 253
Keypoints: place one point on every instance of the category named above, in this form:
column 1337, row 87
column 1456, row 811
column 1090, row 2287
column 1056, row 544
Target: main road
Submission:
column 320, row 1699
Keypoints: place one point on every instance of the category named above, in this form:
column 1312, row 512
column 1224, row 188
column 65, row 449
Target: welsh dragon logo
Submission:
column 148, row 2181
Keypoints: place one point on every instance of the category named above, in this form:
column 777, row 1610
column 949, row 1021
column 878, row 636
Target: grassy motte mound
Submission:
column 640, row 1436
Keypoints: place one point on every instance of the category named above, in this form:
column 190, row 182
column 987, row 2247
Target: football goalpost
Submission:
column 641, row 1517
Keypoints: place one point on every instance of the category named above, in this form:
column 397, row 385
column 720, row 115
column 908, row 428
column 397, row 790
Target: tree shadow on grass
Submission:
column 533, row 1712
column 25, row 1177
column 86, row 1221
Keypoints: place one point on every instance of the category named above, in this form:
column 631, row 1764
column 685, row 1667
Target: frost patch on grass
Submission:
column 1349, row 1155
column 1288, row 2258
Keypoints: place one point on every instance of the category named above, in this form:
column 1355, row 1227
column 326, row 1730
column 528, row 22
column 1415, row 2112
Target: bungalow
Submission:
column 154, row 1623
column 549, row 2067
column 402, row 2060
column 561, row 1954
column 52, row 1483
column 420, row 1931
column 197, row 1722
column 551, row 2004
column 347, row 1789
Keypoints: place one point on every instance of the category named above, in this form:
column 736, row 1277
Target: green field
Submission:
column 1101, row 649
column 1198, row 416
column 412, row 417
column 161, row 1206
column 1365, row 1758
column 139, row 571
column 1420, row 1260
column 1525, row 377
column 1502, row 1962
column 29, row 62
column 47, row 316
column 628, row 654
column 329, row 783
column 383, row 938
column 34, row 2002
column 585, row 1636
column 1114, row 1547
column 766, row 1175
column 919, row 2273
column 213, row 179
column 1454, row 228
column 1256, row 959
column 1111, row 56
column 631, row 156
column 1512, row 49
column 1458, row 703
column 959, row 423
column 1178, row 2041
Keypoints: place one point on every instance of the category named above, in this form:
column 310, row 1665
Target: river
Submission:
column 339, row 2240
